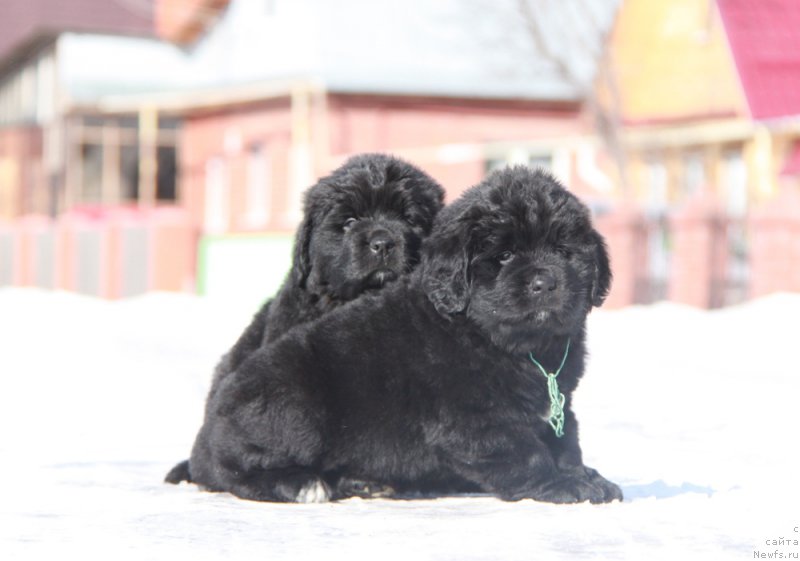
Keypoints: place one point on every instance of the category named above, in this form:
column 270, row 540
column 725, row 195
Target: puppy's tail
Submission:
column 179, row 473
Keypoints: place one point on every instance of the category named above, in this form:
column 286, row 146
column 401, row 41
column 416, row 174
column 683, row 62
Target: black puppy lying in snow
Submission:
column 362, row 229
column 431, row 385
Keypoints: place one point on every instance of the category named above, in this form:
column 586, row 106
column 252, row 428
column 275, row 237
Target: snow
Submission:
column 693, row 413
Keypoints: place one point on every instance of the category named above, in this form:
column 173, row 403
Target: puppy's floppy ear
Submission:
column 602, row 271
column 301, row 261
column 445, row 265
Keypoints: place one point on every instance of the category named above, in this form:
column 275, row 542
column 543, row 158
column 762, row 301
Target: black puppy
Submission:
column 362, row 228
column 443, row 381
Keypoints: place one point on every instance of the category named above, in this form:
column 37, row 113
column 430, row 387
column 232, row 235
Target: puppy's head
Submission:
column 517, row 254
column 363, row 226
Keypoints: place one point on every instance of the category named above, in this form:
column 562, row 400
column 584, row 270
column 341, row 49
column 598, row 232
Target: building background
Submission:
column 709, row 105
column 166, row 144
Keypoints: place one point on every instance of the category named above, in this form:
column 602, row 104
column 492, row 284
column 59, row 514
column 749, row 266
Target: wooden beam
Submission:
column 148, row 133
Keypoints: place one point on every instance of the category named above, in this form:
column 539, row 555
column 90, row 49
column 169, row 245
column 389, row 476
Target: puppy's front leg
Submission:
column 523, row 469
column 540, row 479
column 567, row 453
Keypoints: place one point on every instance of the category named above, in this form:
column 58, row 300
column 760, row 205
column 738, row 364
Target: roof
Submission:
column 464, row 48
column 451, row 48
column 23, row 22
column 764, row 38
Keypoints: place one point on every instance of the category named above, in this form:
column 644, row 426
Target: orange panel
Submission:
column 671, row 61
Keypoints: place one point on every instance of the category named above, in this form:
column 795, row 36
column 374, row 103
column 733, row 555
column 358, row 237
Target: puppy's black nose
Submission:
column 381, row 243
column 543, row 281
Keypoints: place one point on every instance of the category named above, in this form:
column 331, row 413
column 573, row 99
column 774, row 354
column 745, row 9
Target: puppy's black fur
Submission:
column 362, row 228
column 426, row 387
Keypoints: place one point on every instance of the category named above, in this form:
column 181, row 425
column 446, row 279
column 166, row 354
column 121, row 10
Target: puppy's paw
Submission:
column 315, row 491
column 611, row 491
column 566, row 489
column 347, row 487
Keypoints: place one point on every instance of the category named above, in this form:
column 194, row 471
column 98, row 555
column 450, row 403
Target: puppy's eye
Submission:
column 564, row 251
column 504, row 257
column 349, row 223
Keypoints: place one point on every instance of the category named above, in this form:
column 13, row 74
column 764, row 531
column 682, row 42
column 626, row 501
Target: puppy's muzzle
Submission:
column 381, row 243
column 543, row 281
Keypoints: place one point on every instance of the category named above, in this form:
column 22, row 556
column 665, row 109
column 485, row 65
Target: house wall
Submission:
column 228, row 138
column 671, row 61
column 21, row 174
column 306, row 134
column 451, row 139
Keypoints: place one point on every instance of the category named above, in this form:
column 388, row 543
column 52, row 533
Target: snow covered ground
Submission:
column 694, row 414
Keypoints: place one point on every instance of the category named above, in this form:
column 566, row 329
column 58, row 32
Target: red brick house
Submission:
column 208, row 117
column 244, row 166
column 30, row 100
column 710, row 112
column 132, row 134
column 253, row 141
column 764, row 38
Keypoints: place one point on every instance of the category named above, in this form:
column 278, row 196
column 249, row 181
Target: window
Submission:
column 658, row 235
column 493, row 164
column 217, row 204
column 520, row 156
column 657, row 187
column 734, row 183
column 166, row 173
column 541, row 161
column 694, row 173
column 27, row 93
column 91, row 173
column 258, row 188
column 129, row 173
column 45, row 91
column 734, row 189
column 106, row 164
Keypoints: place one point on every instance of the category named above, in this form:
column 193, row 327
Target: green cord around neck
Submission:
column 557, row 398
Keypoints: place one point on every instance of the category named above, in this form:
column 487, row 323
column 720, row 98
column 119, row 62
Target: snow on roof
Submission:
column 92, row 65
column 462, row 48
